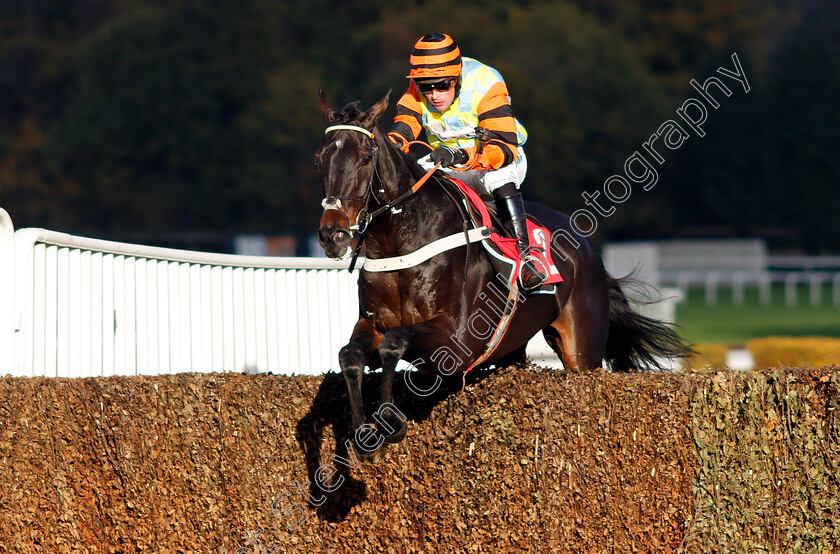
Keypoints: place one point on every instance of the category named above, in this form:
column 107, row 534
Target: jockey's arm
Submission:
column 496, row 115
column 407, row 123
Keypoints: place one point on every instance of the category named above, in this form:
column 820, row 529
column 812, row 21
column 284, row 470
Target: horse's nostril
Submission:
column 333, row 235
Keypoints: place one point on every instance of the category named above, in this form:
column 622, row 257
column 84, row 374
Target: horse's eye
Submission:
column 366, row 160
column 316, row 160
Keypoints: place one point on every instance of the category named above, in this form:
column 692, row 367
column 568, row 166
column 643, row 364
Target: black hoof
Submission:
column 402, row 431
column 370, row 457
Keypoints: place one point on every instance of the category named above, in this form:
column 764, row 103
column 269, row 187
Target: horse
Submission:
column 422, row 314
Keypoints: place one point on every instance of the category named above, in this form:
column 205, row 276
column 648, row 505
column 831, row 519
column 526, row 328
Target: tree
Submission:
column 579, row 89
column 157, row 135
column 802, row 114
column 769, row 159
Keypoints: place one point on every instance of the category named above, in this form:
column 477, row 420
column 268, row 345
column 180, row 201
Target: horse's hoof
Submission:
column 370, row 457
column 398, row 436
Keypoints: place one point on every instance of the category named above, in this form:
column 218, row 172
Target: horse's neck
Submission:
column 418, row 220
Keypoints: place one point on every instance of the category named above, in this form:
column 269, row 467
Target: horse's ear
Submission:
column 324, row 107
column 370, row 117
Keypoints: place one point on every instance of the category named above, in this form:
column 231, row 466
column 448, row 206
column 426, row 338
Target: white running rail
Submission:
column 80, row 307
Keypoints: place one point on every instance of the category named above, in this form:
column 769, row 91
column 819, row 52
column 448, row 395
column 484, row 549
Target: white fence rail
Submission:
column 714, row 281
column 729, row 264
column 79, row 307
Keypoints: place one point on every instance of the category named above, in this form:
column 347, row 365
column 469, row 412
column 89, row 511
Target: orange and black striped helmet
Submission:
column 435, row 55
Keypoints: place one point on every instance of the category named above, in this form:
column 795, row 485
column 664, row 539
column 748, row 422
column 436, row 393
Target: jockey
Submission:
column 465, row 109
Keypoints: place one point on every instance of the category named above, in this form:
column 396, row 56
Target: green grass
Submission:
column 731, row 324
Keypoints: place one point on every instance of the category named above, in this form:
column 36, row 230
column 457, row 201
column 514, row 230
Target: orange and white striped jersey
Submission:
column 483, row 100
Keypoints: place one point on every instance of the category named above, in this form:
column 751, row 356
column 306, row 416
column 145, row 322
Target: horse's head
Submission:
column 347, row 161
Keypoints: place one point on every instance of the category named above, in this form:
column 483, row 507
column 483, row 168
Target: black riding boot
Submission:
column 512, row 211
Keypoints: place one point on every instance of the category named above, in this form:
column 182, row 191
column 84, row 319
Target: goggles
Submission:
column 442, row 86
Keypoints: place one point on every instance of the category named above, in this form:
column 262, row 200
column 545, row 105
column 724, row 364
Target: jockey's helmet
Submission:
column 435, row 56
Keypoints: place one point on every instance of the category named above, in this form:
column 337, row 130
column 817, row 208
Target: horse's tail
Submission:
column 636, row 342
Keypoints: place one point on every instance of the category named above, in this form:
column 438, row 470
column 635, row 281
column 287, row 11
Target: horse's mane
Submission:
column 352, row 113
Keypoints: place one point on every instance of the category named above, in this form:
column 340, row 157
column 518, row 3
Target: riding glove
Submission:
column 447, row 156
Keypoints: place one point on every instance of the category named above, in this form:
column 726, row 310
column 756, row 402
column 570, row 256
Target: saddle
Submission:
column 501, row 246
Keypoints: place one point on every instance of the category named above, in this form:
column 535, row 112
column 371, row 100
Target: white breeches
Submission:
column 485, row 182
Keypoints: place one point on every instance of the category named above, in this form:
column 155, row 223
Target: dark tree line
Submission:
column 199, row 115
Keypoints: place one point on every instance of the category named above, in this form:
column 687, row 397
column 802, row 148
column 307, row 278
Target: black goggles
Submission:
column 442, row 86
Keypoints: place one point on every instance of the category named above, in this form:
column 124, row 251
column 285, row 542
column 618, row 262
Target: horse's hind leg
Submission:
column 579, row 334
column 552, row 337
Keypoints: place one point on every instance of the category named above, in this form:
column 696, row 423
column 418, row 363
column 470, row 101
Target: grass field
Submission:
column 730, row 324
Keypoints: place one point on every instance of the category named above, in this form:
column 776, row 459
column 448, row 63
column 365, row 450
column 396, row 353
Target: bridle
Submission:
column 333, row 202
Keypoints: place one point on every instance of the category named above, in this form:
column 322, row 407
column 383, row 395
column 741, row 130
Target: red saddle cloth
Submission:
column 538, row 237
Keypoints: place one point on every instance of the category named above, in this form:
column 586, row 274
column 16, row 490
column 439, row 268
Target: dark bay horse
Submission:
column 425, row 314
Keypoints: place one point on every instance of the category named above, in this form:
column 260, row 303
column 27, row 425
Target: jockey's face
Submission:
column 441, row 99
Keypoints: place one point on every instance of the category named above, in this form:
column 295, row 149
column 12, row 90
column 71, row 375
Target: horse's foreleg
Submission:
column 352, row 358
